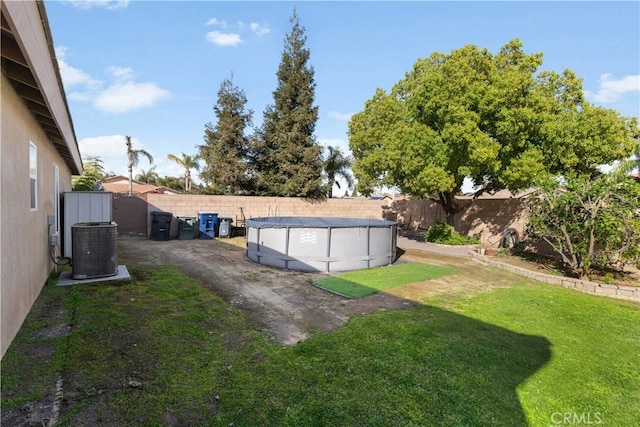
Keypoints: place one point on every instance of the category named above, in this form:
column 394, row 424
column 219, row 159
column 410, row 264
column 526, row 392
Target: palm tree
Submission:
column 337, row 165
column 133, row 157
column 172, row 183
column 150, row 176
column 187, row 162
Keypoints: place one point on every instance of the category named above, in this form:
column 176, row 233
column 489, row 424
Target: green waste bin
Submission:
column 186, row 227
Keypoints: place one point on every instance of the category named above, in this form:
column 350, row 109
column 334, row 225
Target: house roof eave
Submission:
column 29, row 63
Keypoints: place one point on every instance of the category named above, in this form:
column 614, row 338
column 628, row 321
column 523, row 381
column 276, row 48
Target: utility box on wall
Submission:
column 84, row 206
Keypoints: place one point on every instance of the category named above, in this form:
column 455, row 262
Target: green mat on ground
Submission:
column 355, row 284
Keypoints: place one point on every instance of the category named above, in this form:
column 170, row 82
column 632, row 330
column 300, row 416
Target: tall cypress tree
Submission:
column 225, row 151
column 287, row 158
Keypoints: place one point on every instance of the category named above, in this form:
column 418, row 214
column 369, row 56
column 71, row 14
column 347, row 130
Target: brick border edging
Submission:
column 629, row 293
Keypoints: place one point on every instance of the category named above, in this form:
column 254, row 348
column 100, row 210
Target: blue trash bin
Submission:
column 207, row 222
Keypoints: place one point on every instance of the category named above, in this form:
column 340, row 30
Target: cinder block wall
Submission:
column 229, row 206
column 253, row 206
column 486, row 219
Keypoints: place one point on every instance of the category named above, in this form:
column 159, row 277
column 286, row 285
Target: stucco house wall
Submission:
column 24, row 231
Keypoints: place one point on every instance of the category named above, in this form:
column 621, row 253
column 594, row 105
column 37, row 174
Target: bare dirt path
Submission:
column 283, row 303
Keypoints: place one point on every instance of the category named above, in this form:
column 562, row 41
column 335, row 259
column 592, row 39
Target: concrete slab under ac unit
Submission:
column 66, row 277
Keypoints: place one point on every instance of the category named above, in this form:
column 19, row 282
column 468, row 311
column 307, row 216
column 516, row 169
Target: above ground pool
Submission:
column 321, row 244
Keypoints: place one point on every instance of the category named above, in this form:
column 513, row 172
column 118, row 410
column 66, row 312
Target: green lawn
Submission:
column 163, row 347
column 359, row 283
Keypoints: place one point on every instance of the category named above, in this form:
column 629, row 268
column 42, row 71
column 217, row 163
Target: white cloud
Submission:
column 343, row 117
column 216, row 21
column 233, row 38
column 165, row 167
column 108, row 4
column 121, row 73
column 611, row 90
column 223, row 39
column 81, row 96
column 110, row 146
column 72, row 76
column 111, row 149
column 260, row 30
column 123, row 97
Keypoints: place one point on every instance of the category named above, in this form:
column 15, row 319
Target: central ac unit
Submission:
column 94, row 249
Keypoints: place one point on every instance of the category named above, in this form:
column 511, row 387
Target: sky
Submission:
column 152, row 69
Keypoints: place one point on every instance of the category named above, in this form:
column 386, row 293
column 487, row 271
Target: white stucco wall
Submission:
column 24, row 256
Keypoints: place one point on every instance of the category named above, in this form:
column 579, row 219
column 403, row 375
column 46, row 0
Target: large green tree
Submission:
column 286, row 158
column 489, row 117
column 226, row 148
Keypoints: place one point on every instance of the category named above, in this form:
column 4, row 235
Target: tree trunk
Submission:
column 130, row 180
column 332, row 179
column 449, row 205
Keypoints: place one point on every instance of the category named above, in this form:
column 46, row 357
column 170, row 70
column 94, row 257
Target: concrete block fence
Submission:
column 254, row 206
column 485, row 219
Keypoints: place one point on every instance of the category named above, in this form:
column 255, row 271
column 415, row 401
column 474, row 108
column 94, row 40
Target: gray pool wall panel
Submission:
column 321, row 244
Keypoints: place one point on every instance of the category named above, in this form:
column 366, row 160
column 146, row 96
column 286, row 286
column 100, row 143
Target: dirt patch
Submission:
column 284, row 304
column 280, row 303
column 32, row 414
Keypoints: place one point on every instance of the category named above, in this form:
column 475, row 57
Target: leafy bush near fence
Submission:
column 445, row 234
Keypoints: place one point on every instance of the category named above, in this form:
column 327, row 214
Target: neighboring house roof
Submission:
column 394, row 196
column 35, row 75
column 120, row 184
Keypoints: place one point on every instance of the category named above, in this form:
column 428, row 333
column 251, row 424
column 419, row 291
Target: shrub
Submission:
column 591, row 223
column 445, row 234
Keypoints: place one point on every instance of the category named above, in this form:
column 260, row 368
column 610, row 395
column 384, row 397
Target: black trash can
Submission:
column 186, row 227
column 160, row 225
column 207, row 222
column 225, row 227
